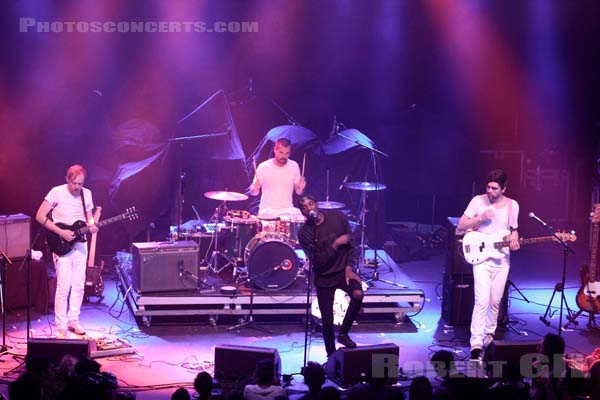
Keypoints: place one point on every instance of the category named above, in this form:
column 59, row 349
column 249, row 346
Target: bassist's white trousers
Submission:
column 489, row 281
column 70, row 285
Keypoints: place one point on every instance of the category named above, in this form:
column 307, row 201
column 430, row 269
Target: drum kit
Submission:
column 263, row 247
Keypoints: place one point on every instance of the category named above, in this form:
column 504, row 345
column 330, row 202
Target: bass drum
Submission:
column 271, row 262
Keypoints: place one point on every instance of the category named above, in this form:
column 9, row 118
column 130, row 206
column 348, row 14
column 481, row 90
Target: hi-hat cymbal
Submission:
column 226, row 196
column 366, row 186
column 330, row 205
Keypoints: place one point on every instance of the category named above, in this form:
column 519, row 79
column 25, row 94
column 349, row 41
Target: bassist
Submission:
column 67, row 204
column 489, row 213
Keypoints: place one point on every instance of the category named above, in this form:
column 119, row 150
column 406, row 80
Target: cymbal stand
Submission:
column 213, row 262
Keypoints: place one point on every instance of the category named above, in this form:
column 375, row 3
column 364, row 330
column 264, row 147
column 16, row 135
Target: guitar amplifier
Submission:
column 15, row 234
column 164, row 266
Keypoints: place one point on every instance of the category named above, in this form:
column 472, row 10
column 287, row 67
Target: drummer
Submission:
column 278, row 177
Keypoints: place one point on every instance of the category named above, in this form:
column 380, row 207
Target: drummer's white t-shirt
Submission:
column 277, row 186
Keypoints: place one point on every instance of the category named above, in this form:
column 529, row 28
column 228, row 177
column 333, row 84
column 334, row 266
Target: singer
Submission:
column 278, row 177
column 489, row 213
column 69, row 203
column 326, row 239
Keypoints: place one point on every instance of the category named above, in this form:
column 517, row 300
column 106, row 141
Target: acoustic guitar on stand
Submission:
column 588, row 296
column 478, row 247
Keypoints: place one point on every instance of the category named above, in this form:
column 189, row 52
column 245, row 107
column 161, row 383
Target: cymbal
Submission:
column 330, row 205
column 365, row 186
column 226, row 196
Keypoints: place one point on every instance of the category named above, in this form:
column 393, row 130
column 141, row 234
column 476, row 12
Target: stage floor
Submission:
column 173, row 348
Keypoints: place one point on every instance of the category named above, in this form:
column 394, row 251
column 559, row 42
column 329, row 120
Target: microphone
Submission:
column 532, row 215
column 343, row 182
column 313, row 214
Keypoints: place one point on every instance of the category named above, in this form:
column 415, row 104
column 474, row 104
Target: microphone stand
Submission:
column 560, row 286
column 250, row 323
column 309, row 291
column 4, row 259
column 27, row 262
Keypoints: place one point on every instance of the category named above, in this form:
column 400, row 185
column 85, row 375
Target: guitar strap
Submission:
column 85, row 218
column 510, row 213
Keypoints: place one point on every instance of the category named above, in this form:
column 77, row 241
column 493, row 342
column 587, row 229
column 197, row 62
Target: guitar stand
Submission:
column 591, row 319
column 559, row 287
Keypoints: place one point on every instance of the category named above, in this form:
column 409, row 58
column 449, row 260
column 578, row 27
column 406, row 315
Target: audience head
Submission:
column 314, row 376
column 265, row 372
column 181, row 394
column 203, row 384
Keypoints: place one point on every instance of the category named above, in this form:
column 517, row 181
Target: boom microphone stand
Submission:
column 560, row 286
column 250, row 323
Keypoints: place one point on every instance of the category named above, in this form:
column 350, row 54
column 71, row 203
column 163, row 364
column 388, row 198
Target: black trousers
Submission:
column 325, row 297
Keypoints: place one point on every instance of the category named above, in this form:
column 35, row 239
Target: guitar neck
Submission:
column 102, row 223
column 522, row 242
column 593, row 270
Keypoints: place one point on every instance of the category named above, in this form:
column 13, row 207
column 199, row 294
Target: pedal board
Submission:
column 108, row 346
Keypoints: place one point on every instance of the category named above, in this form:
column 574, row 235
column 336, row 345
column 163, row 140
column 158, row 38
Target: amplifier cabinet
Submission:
column 15, row 234
column 164, row 266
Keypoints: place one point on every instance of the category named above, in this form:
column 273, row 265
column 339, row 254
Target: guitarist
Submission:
column 489, row 213
column 67, row 204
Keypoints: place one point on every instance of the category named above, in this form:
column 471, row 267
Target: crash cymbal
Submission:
column 226, row 196
column 366, row 186
column 330, row 205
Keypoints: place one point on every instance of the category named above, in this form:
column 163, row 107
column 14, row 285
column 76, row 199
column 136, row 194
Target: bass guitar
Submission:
column 588, row 296
column 60, row 246
column 478, row 247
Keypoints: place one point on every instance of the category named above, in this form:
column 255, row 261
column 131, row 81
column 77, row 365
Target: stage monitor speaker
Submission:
column 164, row 266
column 55, row 349
column 502, row 353
column 347, row 366
column 15, row 235
column 234, row 363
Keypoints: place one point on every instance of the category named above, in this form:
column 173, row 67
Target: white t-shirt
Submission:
column 68, row 207
column 277, row 186
column 504, row 218
column 255, row 392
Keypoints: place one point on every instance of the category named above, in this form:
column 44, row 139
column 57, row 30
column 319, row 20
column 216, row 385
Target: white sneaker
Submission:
column 75, row 326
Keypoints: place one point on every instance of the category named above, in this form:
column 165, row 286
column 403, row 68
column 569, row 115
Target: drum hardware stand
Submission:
column 214, row 258
column 560, row 286
column 3, row 260
column 249, row 322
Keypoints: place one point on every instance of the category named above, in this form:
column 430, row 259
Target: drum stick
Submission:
column 303, row 164
column 254, row 164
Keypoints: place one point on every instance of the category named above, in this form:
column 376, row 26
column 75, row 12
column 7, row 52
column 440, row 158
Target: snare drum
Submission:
column 271, row 262
column 289, row 225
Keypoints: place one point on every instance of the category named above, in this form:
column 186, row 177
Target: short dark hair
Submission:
column 306, row 197
column 285, row 142
column 265, row 372
column 499, row 176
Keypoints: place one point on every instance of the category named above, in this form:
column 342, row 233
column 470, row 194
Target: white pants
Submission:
column 489, row 282
column 70, row 285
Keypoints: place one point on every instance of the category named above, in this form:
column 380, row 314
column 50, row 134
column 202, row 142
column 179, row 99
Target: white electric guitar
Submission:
column 478, row 247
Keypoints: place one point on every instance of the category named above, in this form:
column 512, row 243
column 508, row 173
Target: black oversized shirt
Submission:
column 328, row 264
